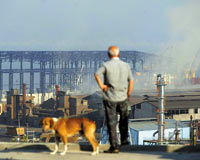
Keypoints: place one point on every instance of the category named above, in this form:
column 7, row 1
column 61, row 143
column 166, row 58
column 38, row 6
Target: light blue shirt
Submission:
column 117, row 75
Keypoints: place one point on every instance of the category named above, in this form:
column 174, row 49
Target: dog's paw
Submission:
column 94, row 153
column 97, row 151
column 62, row 153
column 53, row 153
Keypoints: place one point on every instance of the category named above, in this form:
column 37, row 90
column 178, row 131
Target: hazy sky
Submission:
column 144, row 25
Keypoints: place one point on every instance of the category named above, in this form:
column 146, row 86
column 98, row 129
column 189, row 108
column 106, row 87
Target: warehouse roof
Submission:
column 171, row 100
column 181, row 101
column 143, row 125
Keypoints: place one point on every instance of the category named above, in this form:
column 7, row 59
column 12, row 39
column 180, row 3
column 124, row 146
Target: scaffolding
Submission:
column 44, row 69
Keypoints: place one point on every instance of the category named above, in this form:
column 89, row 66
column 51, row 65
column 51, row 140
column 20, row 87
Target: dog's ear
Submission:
column 41, row 120
column 51, row 123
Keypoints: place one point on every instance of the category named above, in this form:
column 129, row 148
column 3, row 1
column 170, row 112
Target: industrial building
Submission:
column 20, row 109
column 177, row 106
column 72, row 70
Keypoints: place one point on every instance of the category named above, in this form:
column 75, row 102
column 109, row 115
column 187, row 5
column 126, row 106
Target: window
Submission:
column 168, row 113
column 196, row 110
column 183, row 111
column 138, row 106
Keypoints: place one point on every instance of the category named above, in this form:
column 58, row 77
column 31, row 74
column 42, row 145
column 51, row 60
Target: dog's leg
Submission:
column 97, row 151
column 64, row 139
column 95, row 145
column 56, row 145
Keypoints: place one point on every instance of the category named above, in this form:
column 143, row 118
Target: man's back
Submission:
column 116, row 75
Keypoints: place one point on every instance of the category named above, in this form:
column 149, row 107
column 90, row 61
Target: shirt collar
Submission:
column 117, row 58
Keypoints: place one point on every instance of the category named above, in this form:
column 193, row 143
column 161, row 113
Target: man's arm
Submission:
column 100, row 83
column 130, row 88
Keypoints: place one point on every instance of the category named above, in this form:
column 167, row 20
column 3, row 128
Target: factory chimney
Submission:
column 160, row 88
column 23, row 109
column 57, row 95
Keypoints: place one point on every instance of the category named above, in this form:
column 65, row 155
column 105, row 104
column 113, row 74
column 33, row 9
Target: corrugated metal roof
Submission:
column 172, row 101
column 179, row 104
column 136, row 100
column 153, row 125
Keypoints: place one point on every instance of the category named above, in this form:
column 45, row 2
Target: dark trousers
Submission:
column 111, row 110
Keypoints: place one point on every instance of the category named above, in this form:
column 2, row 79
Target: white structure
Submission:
column 38, row 97
column 147, row 130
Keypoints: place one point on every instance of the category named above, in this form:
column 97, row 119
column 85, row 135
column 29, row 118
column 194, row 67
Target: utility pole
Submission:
column 27, row 131
column 19, row 128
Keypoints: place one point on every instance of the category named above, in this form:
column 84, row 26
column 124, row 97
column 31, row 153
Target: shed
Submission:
column 141, row 130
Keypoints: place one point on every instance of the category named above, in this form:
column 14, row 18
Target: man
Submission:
column 117, row 87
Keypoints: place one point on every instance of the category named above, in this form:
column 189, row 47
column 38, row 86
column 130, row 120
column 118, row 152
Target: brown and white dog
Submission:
column 67, row 127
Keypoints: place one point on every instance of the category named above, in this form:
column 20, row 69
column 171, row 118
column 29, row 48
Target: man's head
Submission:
column 113, row 51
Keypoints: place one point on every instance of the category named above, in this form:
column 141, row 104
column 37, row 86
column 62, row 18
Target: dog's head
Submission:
column 47, row 123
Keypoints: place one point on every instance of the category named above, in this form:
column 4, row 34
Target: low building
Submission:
column 178, row 107
column 142, row 131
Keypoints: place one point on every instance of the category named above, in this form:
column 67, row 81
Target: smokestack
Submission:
column 57, row 95
column 160, row 87
column 57, row 88
column 23, row 109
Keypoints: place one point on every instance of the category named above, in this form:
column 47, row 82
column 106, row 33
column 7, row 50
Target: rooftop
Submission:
column 143, row 125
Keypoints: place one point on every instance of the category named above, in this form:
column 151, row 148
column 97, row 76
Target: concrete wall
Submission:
column 184, row 117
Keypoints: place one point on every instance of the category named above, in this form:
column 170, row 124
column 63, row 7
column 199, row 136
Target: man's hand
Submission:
column 100, row 83
column 104, row 88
